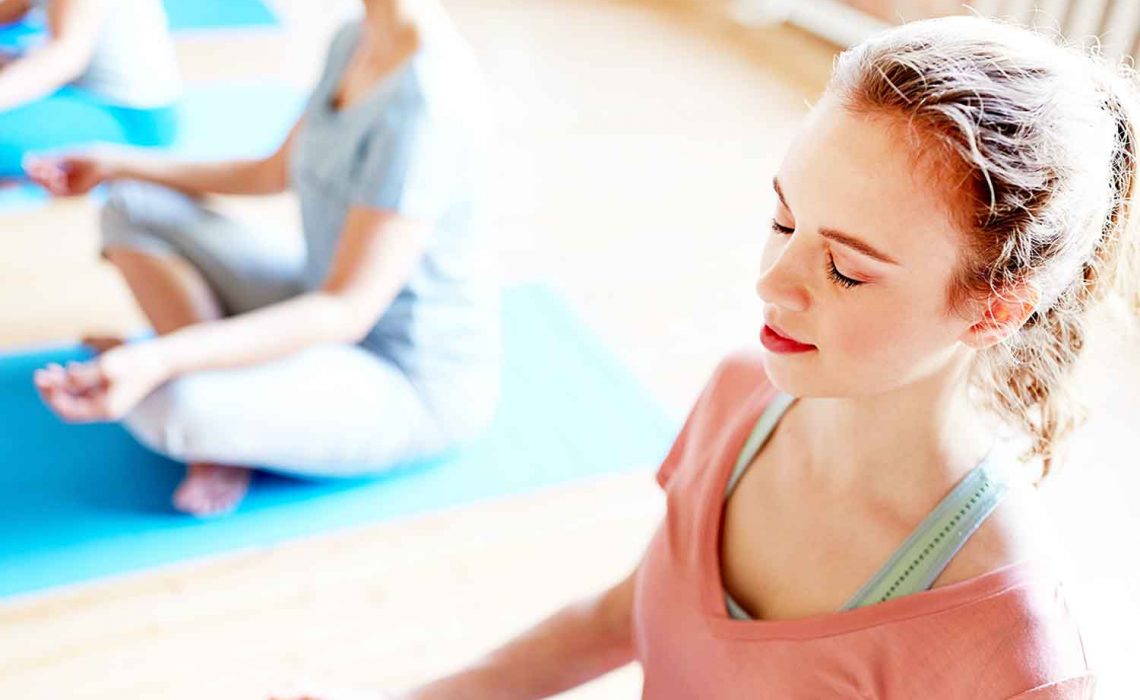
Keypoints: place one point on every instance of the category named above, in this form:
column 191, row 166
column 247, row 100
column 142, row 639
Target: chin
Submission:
column 794, row 375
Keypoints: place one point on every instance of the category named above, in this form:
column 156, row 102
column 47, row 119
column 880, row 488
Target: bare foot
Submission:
column 211, row 489
column 102, row 343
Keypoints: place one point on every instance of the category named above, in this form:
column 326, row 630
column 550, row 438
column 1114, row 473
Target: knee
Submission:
column 136, row 212
column 171, row 421
column 117, row 225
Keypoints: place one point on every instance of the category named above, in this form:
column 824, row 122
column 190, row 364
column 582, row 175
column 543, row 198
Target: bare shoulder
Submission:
column 1017, row 530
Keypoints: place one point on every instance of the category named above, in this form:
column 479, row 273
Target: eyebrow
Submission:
column 839, row 236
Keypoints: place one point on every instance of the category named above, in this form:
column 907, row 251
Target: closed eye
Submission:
column 833, row 272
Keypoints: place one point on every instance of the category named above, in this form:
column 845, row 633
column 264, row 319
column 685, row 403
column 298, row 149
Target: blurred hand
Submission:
column 69, row 175
column 103, row 389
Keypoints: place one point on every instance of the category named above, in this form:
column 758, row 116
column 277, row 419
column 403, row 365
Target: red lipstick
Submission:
column 777, row 342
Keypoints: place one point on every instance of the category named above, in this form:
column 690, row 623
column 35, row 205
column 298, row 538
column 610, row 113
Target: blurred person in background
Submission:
column 375, row 343
column 850, row 510
column 105, row 72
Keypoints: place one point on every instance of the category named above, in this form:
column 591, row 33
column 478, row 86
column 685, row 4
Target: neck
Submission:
column 385, row 18
column 908, row 445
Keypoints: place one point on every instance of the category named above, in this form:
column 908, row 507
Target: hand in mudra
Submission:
column 105, row 388
column 69, row 175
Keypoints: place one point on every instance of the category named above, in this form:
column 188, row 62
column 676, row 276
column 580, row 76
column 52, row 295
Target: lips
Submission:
column 784, row 334
column 778, row 341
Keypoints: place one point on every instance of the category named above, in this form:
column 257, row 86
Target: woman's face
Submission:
column 859, row 263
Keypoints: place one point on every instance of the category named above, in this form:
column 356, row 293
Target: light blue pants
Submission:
column 71, row 118
column 329, row 410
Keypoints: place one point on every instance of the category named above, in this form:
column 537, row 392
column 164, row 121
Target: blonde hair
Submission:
column 1037, row 146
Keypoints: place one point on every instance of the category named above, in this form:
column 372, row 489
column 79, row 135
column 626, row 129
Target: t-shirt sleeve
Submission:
column 677, row 451
column 735, row 375
column 673, row 458
column 408, row 165
column 1080, row 687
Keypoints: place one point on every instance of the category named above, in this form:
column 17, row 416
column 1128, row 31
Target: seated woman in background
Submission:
column 378, row 342
column 838, row 524
column 107, row 72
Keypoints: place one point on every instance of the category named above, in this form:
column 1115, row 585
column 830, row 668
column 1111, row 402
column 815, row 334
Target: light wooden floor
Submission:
column 638, row 139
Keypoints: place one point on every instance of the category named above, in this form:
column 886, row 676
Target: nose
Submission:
column 783, row 281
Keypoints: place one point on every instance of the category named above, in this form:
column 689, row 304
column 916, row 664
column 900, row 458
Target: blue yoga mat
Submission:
column 234, row 120
column 82, row 502
column 182, row 16
column 192, row 15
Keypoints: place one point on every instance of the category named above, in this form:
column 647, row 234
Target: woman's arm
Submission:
column 376, row 256
column 269, row 175
column 575, row 645
column 77, row 174
column 74, row 26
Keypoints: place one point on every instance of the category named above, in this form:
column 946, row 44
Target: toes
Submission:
column 186, row 499
column 210, row 490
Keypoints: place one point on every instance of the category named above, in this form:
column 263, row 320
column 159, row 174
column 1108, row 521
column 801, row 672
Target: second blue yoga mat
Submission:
column 181, row 15
column 84, row 502
column 225, row 120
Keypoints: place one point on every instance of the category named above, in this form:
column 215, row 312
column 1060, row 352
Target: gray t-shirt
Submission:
column 416, row 145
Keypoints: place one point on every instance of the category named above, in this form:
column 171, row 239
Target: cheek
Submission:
column 887, row 335
column 867, row 332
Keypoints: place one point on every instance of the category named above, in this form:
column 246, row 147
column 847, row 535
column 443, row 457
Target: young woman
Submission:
column 375, row 344
column 839, row 524
column 106, row 73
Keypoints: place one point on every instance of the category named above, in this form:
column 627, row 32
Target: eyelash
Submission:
column 832, row 272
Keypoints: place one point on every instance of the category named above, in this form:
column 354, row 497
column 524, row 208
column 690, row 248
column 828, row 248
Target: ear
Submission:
column 1002, row 316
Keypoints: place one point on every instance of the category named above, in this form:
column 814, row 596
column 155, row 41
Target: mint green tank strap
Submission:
column 925, row 554
column 759, row 435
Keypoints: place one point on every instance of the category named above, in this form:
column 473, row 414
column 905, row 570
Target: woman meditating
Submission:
column 376, row 343
column 844, row 516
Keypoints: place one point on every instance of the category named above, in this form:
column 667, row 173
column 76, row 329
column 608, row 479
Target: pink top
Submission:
column 1005, row 634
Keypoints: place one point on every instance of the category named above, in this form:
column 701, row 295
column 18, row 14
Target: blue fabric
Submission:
column 72, row 118
column 82, row 502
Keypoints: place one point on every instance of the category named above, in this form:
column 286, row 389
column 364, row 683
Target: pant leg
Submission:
column 327, row 411
column 246, row 267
